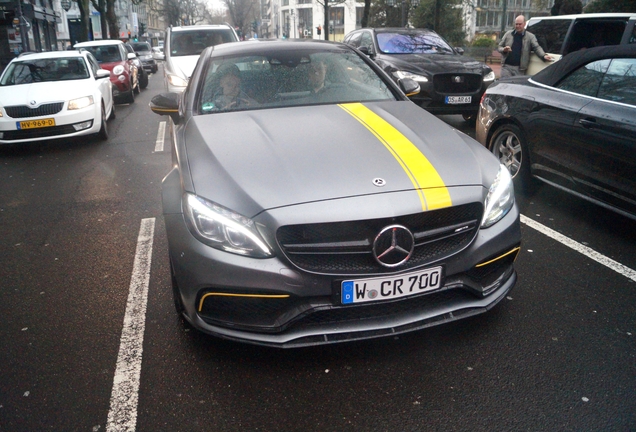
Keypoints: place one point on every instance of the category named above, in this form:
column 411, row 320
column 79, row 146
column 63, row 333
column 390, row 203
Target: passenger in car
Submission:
column 228, row 95
column 316, row 72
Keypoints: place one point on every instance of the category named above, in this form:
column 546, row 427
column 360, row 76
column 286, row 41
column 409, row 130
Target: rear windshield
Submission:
column 585, row 33
column 106, row 53
column 141, row 46
column 193, row 42
column 45, row 70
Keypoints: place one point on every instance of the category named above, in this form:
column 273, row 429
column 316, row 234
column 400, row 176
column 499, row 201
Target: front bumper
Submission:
column 270, row 302
column 433, row 96
column 67, row 123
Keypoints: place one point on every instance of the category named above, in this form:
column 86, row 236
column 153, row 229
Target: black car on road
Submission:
column 572, row 125
column 450, row 83
column 144, row 52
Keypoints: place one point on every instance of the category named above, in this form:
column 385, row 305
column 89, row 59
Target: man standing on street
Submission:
column 515, row 46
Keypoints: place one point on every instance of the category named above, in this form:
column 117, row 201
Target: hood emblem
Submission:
column 393, row 246
column 458, row 79
column 33, row 103
column 379, row 182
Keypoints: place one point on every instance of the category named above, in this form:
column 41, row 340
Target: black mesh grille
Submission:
column 23, row 111
column 346, row 247
column 447, row 83
column 38, row 133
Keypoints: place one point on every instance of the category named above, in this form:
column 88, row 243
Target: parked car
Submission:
column 113, row 56
column 144, row 53
column 142, row 73
column 562, row 34
column 572, row 125
column 53, row 95
column 450, row 83
column 311, row 202
column 183, row 47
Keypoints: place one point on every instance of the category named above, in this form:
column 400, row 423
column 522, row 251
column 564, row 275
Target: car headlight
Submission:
column 118, row 70
column 221, row 228
column 489, row 77
column 415, row 77
column 80, row 103
column 500, row 199
column 177, row 81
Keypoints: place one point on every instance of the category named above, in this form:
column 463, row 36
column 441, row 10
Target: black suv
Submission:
column 144, row 52
column 449, row 82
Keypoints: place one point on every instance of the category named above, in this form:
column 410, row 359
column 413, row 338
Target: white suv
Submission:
column 563, row 34
column 183, row 46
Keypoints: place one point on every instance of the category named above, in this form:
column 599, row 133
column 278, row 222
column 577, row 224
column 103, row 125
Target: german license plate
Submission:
column 35, row 124
column 456, row 100
column 386, row 288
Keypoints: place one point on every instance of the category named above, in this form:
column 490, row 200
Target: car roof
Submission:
column 200, row 27
column 266, row 46
column 585, row 16
column 49, row 54
column 101, row 42
column 555, row 72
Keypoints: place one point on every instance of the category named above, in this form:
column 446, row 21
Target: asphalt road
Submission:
column 81, row 228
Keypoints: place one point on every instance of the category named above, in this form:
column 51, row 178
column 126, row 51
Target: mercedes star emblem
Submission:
column 393, row 246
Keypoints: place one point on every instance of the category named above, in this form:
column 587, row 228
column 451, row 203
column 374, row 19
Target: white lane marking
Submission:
column 160, row 137
column 590, row 253
column 125, row 394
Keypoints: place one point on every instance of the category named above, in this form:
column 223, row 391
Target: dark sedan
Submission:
column 572, row 125
column 311, row 202
column 450, row 83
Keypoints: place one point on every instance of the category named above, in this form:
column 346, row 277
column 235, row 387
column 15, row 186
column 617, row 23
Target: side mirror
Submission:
column 408, row 86
column 166, row 104
column 102, row 73
column 459, row 50
column 366, row 51
column 131, row 56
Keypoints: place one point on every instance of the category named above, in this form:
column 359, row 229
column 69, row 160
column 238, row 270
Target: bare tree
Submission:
column 181, row 12
column 242, row 12
column 108, row 17
column 326, row 4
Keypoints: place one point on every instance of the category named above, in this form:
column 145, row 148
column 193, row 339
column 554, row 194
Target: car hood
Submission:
column 257, row 160
column 184, row 65
column 436, row 63
column 43, row 92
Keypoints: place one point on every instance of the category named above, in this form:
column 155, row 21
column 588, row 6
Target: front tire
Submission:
column 102, row 135
column 509, row 145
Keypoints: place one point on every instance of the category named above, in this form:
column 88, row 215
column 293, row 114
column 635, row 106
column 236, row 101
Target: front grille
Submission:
column 446, row 83
column 23, row 111
column 38, row 133
column 346, row 247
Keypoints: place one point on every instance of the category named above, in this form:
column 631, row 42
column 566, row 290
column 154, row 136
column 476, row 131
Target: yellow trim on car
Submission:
column 267, row 296
column 429, row 185
column 515, row 250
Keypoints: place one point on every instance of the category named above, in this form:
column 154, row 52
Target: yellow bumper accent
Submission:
column 429, row 185
column 515, row 250
column 267, row 296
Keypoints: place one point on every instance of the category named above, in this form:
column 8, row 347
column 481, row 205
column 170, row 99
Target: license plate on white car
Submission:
column 456, row 100
column 390, row 287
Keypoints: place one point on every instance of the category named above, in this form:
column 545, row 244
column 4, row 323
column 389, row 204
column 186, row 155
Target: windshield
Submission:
column 413, row 43
column 45, row 70
column 106, row 53
column 194, row 42
column 289, row 79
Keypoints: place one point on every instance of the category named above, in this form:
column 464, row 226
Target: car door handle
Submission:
column 589, row 123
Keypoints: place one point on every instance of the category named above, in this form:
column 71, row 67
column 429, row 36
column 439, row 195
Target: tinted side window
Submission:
column 367, row 41
column 619, row 82
column 550, row 33
column 587, row 79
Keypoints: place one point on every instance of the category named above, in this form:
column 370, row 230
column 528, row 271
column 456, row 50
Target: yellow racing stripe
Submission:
column 429, row 185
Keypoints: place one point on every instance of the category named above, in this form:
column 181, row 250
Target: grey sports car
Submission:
column 311, row 202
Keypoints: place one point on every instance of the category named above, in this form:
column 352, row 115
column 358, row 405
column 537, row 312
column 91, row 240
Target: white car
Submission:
column 52, row 95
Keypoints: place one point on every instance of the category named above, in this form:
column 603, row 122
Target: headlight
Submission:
column 80, row 103
column 118, row 70
column 500, row 199
column 221, row 228
column 415, row 77
column 177, row 81
column 489, row 77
